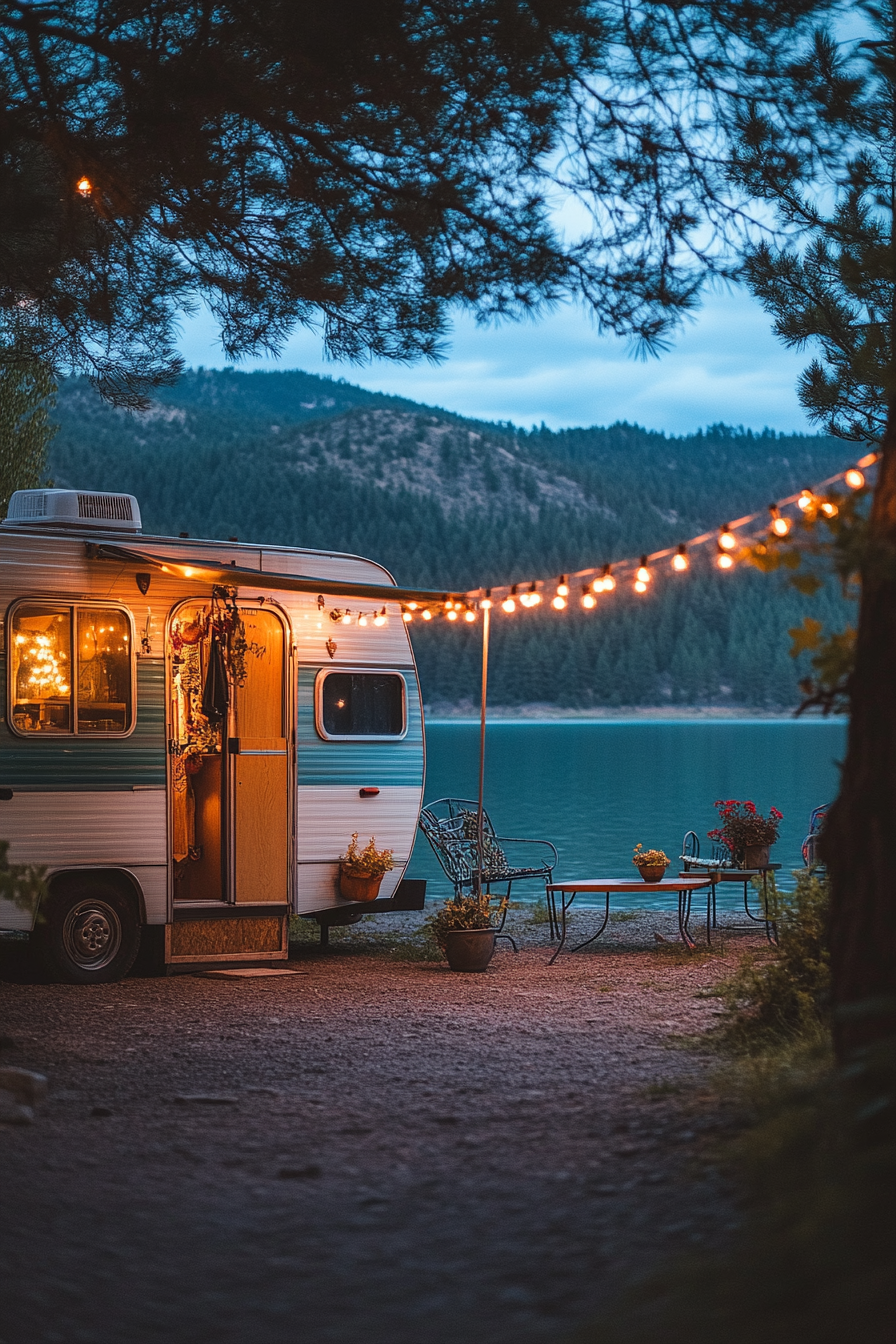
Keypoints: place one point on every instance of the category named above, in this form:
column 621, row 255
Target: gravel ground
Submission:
column 372, row 1150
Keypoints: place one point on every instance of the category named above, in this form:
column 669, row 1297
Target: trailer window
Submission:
column 70, row 669
column 361, row 704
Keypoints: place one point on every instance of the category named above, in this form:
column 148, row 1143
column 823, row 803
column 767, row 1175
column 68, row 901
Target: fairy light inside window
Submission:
column 62, row 684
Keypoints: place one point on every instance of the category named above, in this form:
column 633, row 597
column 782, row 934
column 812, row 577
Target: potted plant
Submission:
column 745, row 832
column 650, row 863
column 464, row 929
column 361, row 871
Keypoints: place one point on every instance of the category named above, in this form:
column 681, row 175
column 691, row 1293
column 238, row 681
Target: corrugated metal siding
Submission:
column 59, row 828
column 71, row 762
column 327, row 817
column 397, row 763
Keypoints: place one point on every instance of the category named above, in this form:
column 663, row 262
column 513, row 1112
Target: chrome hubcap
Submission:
column 92, row 934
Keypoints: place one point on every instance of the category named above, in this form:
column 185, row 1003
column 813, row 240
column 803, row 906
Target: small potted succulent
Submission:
column 361, row 871
column 650, row 863
column 465, row 930
column 745, row 832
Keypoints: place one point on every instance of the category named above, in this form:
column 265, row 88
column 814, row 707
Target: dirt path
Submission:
column 388, row 1153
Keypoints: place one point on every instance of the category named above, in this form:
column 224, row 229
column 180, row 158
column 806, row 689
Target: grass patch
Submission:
column 539, row 912
column 623, row 916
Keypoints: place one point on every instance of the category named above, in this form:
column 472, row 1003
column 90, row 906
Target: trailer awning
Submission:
column 238, row 576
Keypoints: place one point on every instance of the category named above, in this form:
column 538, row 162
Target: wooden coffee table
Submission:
column 684, row 887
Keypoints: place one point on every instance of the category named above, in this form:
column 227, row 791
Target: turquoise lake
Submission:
column 597, row 788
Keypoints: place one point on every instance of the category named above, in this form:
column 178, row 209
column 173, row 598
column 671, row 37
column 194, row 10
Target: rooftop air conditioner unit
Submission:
column 73, row 508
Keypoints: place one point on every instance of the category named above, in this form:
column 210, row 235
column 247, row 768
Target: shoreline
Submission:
column 546, row 713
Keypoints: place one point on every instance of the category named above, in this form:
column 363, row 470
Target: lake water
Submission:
column 597, row 788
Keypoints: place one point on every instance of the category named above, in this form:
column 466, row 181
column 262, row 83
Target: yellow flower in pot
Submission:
column 464, row 928
column 650, row 863
column 361, row 871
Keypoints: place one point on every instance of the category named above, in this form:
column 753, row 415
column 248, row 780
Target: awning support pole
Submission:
column 486, row 613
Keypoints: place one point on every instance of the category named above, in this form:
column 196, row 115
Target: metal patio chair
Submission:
column 449, row 825
column 810, row 844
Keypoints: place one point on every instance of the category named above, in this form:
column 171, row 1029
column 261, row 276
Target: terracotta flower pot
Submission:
column 469, row 949
column 355, row 888
column 652, row 872
column 756, row 856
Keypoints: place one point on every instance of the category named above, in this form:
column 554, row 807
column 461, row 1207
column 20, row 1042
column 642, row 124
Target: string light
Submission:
column 362, row 619
column 84, row 186
column 452, row 614
column 380, row 617
column 412, row 606
column 726, row 542
column 407, row 617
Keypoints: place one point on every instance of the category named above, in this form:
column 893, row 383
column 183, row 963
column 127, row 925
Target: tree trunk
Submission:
column 859, row 841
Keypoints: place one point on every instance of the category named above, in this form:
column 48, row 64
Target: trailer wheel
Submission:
column 89, row 933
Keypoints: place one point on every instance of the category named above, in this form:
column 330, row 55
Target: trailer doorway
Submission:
column 228, row 756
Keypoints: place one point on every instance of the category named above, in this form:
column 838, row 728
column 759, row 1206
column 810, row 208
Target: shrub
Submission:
column 785, row 994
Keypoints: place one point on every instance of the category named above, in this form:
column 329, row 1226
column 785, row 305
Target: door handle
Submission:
column 370, row 792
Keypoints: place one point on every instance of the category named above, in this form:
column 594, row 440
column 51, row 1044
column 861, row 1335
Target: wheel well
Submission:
column 125, row 882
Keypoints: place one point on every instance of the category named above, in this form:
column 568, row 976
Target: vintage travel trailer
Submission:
column 192, row 731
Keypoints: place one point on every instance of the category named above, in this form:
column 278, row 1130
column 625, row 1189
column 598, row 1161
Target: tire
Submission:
column 88, row 933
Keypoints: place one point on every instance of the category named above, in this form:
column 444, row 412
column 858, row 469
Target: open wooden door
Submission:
column 260, row 765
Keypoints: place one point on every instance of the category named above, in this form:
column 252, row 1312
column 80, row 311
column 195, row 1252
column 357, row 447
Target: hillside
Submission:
column 298, row 460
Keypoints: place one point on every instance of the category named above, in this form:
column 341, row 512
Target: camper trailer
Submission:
column 192, row 731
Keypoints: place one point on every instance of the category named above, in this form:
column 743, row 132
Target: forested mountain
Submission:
column 443, row 501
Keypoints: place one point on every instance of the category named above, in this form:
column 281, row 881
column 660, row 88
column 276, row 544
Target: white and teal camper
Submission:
column 192, row 731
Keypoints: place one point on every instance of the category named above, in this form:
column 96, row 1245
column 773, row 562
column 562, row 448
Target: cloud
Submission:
column 726, row 365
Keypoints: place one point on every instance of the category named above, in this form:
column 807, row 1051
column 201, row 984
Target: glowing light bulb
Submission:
column 412, row 606
column 724, row 560
column 607, row 581
column 563, row 586
column 680, row 561
column 188, row 572
column 558, row 602
column 589, row 601
column 854, row 479
column 727, row 539
column 452, row 614
column 380, row 617
column 828, row 509
column 407, row 617
column 427, row 615
column 469, row 615
column 508, row 605
column 780, row 526
column 362, row 620
column 643, row 575
column 84, row 186
column 640, row 586
column 347, row 618
column 805, row 500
